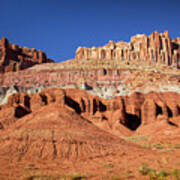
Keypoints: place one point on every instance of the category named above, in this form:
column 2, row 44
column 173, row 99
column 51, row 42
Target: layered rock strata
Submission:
column 15, row 58
column 157, row 48
column 105, row 83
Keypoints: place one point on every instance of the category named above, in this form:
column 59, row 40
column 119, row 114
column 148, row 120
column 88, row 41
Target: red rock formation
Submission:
column 30, row 78
column 15, row 58
column 131, row 111
column 158, row 48
column 93, row 77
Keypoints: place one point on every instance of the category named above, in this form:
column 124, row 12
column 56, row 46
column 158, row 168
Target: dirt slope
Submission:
column 57, row 141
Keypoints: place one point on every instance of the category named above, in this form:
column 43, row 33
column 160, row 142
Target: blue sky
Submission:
column 58, row 27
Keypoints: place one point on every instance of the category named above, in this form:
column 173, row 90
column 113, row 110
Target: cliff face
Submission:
column 111, row 115
column 158, row 48
column 14, row 58
column 107, row 77
column 75, row 112
column 105, row 83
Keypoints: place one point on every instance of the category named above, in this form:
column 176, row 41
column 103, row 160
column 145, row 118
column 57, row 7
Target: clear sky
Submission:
column 58, row 27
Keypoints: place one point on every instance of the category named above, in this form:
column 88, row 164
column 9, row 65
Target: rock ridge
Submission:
column 15, row 58
column 157, row 48
column 129, row 112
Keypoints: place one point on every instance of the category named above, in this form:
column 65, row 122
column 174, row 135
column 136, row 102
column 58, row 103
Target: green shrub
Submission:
column 136, row 138
column 144, row 170
column 162, row 174
column 108, row 165
column 149, row 146
column 77, row 177
column 153, row 174
column 158, row 146
column 43, row 177
column 176, row 173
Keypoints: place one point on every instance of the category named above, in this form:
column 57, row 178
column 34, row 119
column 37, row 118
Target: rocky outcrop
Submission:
column 112, row 103
column 109, row 114
column 157, row 48
column 15, row 58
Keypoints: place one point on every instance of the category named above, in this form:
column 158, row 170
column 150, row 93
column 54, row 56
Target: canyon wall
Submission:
column 158, row 48
column 14, row 57
column 63, row 77
column 110, row 114
column 105, row 83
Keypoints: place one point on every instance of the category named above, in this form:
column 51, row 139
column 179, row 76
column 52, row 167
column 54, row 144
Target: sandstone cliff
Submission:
column 14, row 58
column 118, row 115
column 105, row 83
column 42, row 124
column 157, row 48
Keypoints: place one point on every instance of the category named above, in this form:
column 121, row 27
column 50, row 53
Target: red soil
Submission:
column 46, row 134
